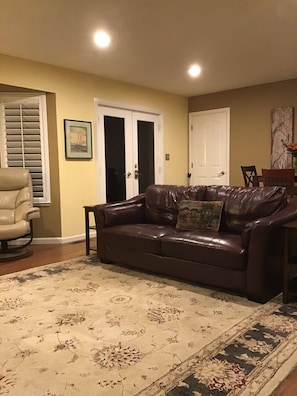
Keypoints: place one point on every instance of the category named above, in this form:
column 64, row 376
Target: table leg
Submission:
column 87, row 231
column 286, row 271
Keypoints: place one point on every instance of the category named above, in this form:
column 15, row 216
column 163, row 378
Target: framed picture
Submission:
column 78, row 139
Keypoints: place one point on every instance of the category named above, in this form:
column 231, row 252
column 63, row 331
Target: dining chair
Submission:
column 279, row 177
column 250, row 176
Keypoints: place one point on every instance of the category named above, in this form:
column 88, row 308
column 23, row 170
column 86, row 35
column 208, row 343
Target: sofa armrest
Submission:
column 265, row 243
column 286, row 214
column 124, row 212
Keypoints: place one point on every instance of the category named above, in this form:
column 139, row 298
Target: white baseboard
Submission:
column 56, row 240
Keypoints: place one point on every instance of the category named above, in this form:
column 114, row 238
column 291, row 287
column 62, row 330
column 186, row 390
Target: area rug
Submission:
column 81, row 327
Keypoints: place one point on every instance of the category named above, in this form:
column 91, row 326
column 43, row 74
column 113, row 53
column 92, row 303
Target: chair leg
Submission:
column 4, row 245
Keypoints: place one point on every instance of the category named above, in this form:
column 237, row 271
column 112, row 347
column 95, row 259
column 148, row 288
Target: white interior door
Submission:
column 209, row 138
column 129, row 145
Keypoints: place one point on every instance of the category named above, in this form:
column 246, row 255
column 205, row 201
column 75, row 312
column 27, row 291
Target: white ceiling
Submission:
column 237, row 43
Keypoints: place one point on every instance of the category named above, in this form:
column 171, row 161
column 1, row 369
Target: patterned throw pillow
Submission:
column 199, row 215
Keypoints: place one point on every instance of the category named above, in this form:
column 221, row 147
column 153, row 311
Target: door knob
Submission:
column 221, row 173
column 129, row 174
column 137, row 174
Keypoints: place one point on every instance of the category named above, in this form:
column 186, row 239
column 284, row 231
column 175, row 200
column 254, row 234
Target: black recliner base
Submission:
column 14, row 254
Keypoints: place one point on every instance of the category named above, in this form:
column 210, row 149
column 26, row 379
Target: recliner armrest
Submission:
column 32, row 213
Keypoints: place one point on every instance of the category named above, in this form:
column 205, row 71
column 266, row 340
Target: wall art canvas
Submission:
column 282, row 120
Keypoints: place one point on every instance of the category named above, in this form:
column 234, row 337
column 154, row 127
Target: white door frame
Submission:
column 100, row 143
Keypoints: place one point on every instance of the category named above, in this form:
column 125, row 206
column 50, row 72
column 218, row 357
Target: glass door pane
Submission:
column 115, row 169
column 146, row 155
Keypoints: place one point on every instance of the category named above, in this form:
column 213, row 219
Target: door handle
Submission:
column 137, row 175
column 129, row 174
column 221, row 173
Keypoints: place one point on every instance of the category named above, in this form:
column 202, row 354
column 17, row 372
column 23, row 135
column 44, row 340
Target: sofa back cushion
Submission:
column 162, row 201
column 245, row 204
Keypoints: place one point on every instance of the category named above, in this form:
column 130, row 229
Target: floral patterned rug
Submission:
column 80, row 327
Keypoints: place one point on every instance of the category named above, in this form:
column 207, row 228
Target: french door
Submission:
column 129, row 144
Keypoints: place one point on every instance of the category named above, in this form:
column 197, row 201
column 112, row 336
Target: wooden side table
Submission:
column 89, row 209
column 290, row 261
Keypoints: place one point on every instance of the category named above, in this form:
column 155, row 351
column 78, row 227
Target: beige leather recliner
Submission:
column 16, row 212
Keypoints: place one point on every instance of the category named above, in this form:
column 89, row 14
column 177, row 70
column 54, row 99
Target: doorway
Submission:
column 209, row 140
column 130, row 150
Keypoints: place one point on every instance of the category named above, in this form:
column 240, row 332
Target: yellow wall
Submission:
column 250, row 121
column 74, row 183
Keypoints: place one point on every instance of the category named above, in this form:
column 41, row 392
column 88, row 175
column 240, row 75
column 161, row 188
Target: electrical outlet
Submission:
column 167, row 157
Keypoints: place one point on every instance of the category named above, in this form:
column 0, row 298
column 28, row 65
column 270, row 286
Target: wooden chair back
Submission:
column 250, row 176
column 279, row 177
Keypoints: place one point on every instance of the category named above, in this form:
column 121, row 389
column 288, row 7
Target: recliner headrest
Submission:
column 13, row 178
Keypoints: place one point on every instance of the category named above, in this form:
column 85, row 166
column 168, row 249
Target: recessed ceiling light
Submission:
column 102, row 39
column 194, row 70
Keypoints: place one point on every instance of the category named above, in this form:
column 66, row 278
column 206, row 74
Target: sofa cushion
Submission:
column 245, row 204
column 141, row 237
column 199, row 215
column 162, row 201
column 206, row 247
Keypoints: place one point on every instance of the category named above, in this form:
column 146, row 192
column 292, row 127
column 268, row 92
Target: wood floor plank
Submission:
column 44, row 254
column 288, row 387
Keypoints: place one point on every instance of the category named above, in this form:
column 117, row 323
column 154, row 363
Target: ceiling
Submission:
column 237, row 43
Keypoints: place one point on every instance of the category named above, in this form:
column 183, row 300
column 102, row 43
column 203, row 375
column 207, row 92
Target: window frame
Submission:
column 45, row 169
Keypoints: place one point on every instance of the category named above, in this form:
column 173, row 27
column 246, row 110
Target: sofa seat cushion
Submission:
column 141, row 237
column 207, row 247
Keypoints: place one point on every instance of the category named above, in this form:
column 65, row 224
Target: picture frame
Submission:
column 78, row 139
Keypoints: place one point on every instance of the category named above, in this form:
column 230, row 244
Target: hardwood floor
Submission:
column 288, row 387
column 46, row 254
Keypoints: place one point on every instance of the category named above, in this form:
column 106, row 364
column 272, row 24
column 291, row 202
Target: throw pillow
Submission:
column 199, row 215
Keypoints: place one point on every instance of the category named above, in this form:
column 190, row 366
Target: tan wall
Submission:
column 250, row 121
column 74, row 183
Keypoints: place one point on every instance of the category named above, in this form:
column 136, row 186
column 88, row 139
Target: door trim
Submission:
column 99, row 141
column 125, row 106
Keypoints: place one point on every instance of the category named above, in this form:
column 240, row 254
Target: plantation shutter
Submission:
column 24, row 141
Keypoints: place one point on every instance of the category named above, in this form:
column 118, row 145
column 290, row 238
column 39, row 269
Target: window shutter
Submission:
column 24, row 141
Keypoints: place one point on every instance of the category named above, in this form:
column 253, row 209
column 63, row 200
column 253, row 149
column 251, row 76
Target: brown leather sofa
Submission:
column 245, row 256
